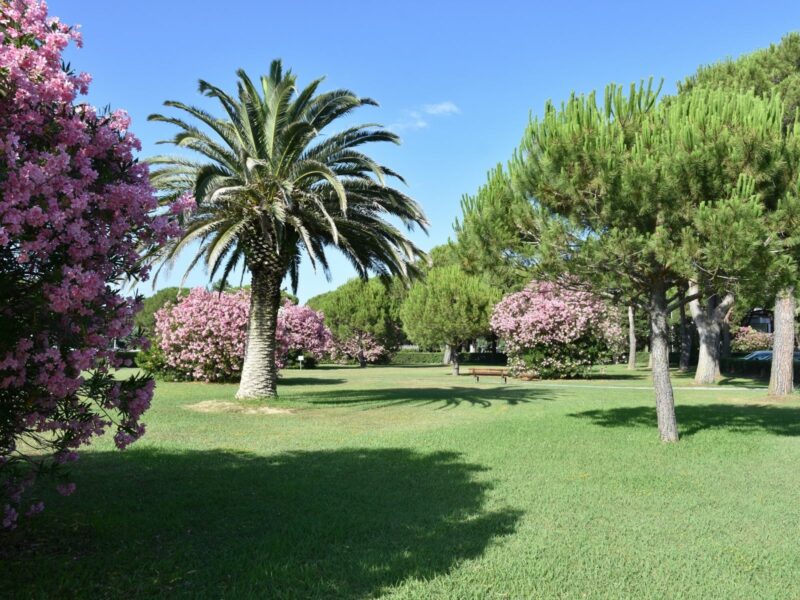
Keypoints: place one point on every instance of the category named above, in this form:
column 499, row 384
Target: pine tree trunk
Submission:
column 725, row 341
column 448, row 353
column 259, row 373
column 631, row 340
column 708, row 359
column 781, row 378
column 361, row 358
column 709, row 323
column 659, row 351
column 454, row 360
column 686, row 341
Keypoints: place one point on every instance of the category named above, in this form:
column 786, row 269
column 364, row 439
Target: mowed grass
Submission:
column 410, row 483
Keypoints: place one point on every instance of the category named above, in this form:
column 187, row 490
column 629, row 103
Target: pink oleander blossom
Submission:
column 362, row 347
column 554, row 331
column 747, row 339
column 301, row 329
column 76, row 212
column 202, row 337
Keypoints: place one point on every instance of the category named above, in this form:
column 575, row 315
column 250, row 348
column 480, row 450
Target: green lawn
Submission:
column 409, row 483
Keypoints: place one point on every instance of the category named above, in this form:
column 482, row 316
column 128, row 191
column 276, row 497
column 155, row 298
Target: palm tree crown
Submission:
column 271, row 187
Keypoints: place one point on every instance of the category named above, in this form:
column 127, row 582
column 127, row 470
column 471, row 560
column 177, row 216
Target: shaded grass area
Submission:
column 338, row 523
column 439, row 397
column 409, row 483
column 641, row 376
column 753, row 419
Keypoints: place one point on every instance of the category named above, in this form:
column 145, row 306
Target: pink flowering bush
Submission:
column 361, row 347
column 76, row 210
column 550, row 331
column 202, row 337
column 301, row 330
column 748, row 340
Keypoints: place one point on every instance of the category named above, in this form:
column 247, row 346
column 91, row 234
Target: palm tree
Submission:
column 271, row 188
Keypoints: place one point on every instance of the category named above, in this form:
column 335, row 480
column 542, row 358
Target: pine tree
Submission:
column 364, row 310
column 491, row 238
column 765, row 72
column 448, row 307
column 644, row 194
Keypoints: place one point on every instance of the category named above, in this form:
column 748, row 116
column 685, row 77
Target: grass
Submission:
column 404, row 482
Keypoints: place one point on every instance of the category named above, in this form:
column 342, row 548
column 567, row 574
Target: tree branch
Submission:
column 691, row 300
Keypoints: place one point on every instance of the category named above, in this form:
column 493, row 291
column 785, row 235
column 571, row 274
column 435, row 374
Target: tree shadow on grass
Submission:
column 613, row 377
column 632, row 376
column 748, row 418
column 451, row 397
column 324, row 524
column 294, row 380
column 744, row 381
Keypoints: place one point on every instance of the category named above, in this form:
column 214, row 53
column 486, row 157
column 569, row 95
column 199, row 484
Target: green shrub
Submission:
column 153, row 361
column 309, row 360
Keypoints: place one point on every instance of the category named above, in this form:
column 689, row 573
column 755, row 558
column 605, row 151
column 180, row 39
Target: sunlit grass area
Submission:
column 406, row 482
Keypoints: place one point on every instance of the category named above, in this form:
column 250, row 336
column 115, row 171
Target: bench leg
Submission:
column 504, row 379
column 477, row 379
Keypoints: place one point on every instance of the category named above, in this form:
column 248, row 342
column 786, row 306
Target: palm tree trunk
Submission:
column 659, row 352
column 259, row 373
column 781, row 379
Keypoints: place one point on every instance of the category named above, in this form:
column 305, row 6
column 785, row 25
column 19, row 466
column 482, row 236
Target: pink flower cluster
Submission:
column 553, row 331
column 301, row 329
column 203, row 336
column 747, row 339
column 363, row 347
column 76, row 210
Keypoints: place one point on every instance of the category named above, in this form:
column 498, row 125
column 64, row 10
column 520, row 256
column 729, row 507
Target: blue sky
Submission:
column 457, row 80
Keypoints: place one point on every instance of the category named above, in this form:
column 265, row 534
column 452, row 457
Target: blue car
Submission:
column 766, row 355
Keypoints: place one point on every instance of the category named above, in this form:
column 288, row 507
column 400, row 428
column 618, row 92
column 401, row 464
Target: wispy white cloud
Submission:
column 442, row 108
column 413, row 120
column 418, row 119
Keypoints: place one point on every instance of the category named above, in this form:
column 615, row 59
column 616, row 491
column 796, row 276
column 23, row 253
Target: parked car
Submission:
column 759, row 355
column 766, row 355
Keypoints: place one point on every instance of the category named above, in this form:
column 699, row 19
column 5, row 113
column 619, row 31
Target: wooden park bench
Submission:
column 489, row 372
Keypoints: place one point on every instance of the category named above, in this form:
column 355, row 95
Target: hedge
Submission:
column 410, row 357
column 484, row 358
column 751, row 368
column 643, row 357
column 406, row 357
